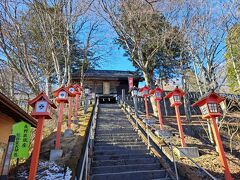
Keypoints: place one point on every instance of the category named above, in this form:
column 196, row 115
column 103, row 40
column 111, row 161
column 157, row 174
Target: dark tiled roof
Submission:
column 107, row 74
column 13, row 110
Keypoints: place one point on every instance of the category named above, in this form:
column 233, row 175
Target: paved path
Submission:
column 119, row 153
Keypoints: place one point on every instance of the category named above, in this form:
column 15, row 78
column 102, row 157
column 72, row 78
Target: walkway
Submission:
column 119, row 153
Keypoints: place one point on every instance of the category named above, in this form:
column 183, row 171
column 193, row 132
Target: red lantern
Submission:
column 62, row 95
column 209, row 107
column 70, row 88
column 41, row 110
column 78, row 89
column 157, row 92
column 144, row 91
column 145, row 94
column 175, row 97
column 41, row 106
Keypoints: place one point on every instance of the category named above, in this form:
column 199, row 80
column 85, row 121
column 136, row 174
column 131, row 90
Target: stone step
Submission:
column 132, row 133
column 123, row 147
column 134, row 175
column 114, row 131
column 116, row 138
column 120, row 152
column 113, row 143
column 112, row 140
column 121, row 156
column 142, row 160
column 125, row 168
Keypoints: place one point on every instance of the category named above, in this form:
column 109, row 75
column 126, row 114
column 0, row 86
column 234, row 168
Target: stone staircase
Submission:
column 119, row 153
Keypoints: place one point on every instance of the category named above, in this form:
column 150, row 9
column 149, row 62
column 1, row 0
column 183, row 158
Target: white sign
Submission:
column 62, row 95
column 71, row 90
column 41, row 106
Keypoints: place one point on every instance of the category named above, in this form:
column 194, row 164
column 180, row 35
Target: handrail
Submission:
column 84, row 163
column 170, row 145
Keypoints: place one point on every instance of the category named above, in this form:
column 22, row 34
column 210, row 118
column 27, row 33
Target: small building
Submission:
column 107, row 82
column 10, row 113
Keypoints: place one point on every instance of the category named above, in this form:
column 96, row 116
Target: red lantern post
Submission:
column 61, row 95
column 175, row 100
column 157, row 92
column 145, row 93
column 78, row 90
column 209, row 106
column 71, row 89
column 41, row 111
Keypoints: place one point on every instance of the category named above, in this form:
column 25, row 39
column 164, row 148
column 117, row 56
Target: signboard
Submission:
column 130, row 82
column 21, row 131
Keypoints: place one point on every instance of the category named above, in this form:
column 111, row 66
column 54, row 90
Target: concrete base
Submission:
column 163, row 133
column 68, row 133
column 55, row 154
column 191, row 152
column 149, row 121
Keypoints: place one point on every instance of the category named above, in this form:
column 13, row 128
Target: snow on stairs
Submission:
column 119, row 153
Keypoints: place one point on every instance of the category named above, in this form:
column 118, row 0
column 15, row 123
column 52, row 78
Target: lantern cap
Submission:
column 56, row 92
column 211, row 95
column 144, row 88
column 175, row 91
column 41, row 96
column 157, row 89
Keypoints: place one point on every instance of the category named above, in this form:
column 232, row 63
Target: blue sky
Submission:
column 116, row 61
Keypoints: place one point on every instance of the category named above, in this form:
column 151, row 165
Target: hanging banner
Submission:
column 22, row 132
column 130, row 82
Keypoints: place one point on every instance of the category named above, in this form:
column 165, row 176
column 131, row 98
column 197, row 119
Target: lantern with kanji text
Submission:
column 209, row 106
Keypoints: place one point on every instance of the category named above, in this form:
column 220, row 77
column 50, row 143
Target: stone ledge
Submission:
column 191, row 152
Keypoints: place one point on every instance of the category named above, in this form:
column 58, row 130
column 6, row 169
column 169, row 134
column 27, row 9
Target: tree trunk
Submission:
column 186, row 99
column 48, row 86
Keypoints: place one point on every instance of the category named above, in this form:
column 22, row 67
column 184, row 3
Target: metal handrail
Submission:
column 84, row 170
column 170, row 145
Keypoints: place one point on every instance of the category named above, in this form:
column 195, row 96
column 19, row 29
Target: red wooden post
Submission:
column 76, row 104
column 179, row 122
column 146, row 107
column 70, row 113
column 59, row 127
column 160, row 115
column 220, row 149
column 36, row 149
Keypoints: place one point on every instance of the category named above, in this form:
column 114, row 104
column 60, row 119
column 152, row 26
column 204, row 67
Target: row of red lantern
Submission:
column 41, row 111
column 209, row 106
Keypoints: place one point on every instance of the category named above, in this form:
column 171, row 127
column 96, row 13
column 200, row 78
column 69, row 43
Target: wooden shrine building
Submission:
column 107, row 82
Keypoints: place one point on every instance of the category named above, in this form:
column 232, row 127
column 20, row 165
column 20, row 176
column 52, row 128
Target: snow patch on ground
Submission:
column 47, row 170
